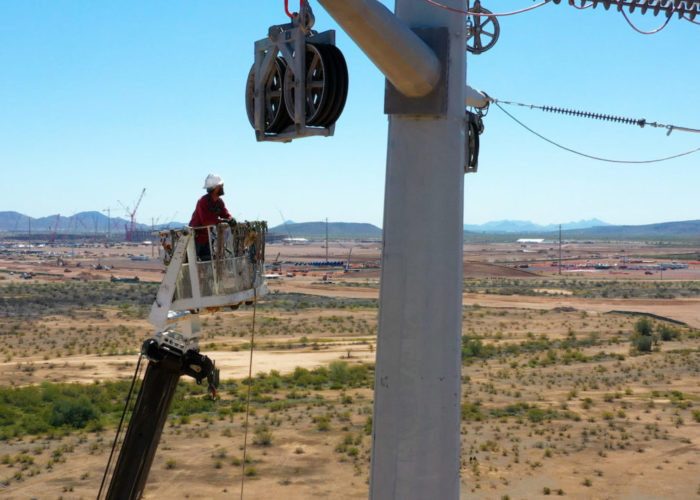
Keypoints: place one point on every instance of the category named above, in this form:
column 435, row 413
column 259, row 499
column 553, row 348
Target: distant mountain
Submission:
column 689, row 229
column 335, row 229
column 519, row 226
column 79, row 223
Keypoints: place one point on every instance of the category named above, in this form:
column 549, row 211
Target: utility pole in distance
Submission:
column 416, row 426
column 560, row 249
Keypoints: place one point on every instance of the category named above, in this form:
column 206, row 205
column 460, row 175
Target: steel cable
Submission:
column 598, row 116
column 482, row 14
column 592, row 157
column 119, row 427
column 668, row 19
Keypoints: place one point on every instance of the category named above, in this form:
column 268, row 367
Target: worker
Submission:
column 210, row 210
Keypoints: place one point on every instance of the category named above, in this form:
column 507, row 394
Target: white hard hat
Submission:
column 212, row 180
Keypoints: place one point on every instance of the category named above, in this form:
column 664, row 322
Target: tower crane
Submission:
column 129, row 229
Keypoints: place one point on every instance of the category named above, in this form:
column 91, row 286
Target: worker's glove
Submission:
column 231, row 222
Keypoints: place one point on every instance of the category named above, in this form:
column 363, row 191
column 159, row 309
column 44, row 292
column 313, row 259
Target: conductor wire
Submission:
column 689, row 19
column 482, row 14
column 592, row 157
column 668, row 19
column 597, row 116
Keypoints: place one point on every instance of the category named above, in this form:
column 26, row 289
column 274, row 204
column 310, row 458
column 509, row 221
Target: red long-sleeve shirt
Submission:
column 206, row 213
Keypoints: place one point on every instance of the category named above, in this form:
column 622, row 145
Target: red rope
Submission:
column 481, row 14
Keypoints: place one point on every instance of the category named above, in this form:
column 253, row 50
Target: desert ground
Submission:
column 555, row 399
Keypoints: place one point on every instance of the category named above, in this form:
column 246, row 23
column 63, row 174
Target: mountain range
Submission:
column 335, row 229
column 520, row 226
column 504, row 230
column 80, row 223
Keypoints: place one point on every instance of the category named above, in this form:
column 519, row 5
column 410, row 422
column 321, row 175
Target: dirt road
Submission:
column 685, row 310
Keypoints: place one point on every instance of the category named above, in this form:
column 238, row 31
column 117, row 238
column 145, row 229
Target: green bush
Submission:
column 642, row 343
column 644, row 327
column 72, row 413
column 338, row 374
column 668, row 333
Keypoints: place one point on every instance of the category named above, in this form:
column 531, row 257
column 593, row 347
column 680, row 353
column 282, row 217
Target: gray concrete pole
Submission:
column 416, row 432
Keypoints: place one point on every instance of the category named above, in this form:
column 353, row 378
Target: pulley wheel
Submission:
column 275, row 116
column 482, row 31
column 339, row 86
column 472, row 143
column 319, row 74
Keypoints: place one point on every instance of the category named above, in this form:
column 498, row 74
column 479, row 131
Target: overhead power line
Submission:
column 685, row 9
column 586, row 155
column 598, row 116
column 486, row 14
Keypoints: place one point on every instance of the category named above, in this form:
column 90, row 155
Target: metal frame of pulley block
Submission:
column 289, row 41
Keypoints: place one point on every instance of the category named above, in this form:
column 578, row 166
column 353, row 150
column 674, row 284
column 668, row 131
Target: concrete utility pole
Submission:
column 416, row 433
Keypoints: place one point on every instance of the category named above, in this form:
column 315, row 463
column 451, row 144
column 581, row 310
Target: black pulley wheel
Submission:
column 275, row 116
column 318, row 85
column 472, row 143
column 339, row 86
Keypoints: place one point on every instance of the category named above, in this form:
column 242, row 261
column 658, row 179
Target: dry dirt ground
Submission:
column 538, row 422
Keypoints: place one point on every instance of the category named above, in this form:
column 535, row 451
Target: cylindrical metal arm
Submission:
column 406, row 61
column 476, row 98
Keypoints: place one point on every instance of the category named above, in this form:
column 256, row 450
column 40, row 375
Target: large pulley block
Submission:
column 298, row 84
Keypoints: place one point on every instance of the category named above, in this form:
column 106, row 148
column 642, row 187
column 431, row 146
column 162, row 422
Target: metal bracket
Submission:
column 435, row 103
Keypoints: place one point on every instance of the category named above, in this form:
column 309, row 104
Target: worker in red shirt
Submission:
column 210, row 210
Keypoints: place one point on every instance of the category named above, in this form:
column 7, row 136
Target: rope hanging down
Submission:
column 591, row 156
column 250, row 385
column 597, row 116
column 119, row 427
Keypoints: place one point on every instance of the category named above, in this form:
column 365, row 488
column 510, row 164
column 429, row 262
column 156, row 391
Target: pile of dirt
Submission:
column 485, row 270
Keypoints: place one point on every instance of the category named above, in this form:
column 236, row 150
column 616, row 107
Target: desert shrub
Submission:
column 667, row 332
column 642, row 343
column 338, row 374
column 72, row 413
column 263, row 435
column 41, row 299
column 643, row 338
column 323, row 422
column 471, row 411
column 644, row 327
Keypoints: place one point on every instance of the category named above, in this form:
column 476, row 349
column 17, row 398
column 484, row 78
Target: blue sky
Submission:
column 101, row 99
